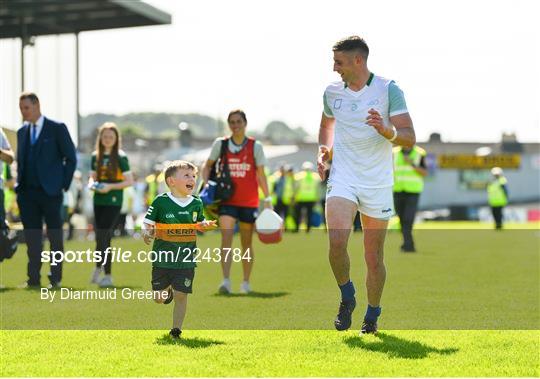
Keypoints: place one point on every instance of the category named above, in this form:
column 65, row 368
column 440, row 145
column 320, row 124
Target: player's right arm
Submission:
column 149, row 222
column 326, row 140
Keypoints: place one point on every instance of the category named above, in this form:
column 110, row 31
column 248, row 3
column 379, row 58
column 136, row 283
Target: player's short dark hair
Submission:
column 174, row 166
column 239, row 112
column 352, row 43
column 30, row 96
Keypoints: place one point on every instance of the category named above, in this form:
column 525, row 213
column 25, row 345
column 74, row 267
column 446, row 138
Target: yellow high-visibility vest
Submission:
column 155, row 186
column 307, row 186
column 288, row 190
column 496, row 195
column 406, row 179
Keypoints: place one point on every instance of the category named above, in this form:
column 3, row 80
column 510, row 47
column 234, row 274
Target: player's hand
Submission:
column 322, row 159
column 375, row 120
column 207, row 225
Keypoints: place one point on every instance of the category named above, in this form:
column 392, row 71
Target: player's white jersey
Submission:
column 361, row 156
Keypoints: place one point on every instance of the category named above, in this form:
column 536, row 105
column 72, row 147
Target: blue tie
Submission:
column 33, row 137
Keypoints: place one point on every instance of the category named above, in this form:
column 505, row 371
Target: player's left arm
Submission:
column 401, row 130
column 404, row 129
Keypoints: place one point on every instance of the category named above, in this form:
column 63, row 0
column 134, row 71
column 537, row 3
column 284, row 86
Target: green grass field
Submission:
column 467, row 304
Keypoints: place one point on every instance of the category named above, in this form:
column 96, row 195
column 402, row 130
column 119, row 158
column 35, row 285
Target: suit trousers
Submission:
column 36, row 206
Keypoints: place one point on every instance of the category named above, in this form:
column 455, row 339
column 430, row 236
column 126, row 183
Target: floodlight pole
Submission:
column 24, row 39
column 77, row 91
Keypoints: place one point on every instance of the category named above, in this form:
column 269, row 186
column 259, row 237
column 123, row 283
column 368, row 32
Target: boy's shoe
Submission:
column 94, row 279
column 369, row 327
column 106, row 281
column 170, row 296
column 343, row 319
column 245, row 288
column 225, row 288
column 175, row 333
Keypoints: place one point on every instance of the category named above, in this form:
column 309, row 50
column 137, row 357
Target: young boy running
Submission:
column 172, row 221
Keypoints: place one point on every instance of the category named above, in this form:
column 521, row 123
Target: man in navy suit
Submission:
column 46, row 161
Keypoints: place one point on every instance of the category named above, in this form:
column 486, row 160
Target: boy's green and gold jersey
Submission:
column 176, row 232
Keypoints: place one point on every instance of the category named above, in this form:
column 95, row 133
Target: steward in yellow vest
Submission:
column 409, row 172
column 497, row 193
column 277, row 183
column 306, row 195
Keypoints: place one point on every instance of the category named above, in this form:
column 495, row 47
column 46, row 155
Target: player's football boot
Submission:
column 343, row 319
column 175, row 333
column 369, row 327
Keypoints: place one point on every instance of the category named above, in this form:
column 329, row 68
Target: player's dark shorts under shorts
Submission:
column 181, row 279
column 242, row 214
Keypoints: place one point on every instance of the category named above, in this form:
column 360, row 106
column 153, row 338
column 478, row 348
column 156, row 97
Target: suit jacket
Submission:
column 56, row 157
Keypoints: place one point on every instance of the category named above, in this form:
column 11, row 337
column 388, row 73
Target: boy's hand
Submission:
column 148, row 233
column 207, row 225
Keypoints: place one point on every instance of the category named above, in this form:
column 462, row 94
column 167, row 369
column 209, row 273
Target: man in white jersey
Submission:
column 363, row 115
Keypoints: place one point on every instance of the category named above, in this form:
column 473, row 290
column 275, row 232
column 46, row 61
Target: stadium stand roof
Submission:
column 25, row 18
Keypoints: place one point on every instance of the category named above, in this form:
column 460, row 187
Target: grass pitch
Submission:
column 467, row 304
column 270, row 353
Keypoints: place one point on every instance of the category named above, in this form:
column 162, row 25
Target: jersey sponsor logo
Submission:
column 337, row 103
column 386, row 210
column 183, row 212
column 238, row 169
column 187, row 282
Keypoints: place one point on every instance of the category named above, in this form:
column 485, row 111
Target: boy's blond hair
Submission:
column 174, row 166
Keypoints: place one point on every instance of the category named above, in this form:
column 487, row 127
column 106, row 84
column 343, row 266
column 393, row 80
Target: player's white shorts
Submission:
column 373, row 202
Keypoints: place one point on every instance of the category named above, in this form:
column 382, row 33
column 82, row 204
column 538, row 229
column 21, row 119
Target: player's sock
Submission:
column 347, row 291
column 372, row 313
